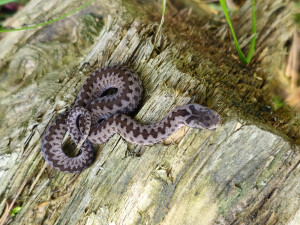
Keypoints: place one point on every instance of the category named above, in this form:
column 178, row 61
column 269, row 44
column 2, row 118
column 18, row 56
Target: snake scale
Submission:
column 99, row 113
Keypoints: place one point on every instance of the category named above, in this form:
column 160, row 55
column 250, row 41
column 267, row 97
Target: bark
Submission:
column 245, row 172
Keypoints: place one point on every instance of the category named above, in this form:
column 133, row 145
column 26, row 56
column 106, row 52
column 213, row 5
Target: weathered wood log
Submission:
column 245, row 172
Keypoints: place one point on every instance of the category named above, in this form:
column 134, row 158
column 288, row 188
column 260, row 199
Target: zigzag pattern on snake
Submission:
column 96, row 116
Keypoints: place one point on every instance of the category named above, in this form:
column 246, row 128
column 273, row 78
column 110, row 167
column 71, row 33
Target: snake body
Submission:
column 97, row 115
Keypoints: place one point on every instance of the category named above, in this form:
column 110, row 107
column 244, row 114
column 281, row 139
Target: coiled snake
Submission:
column 96, row 116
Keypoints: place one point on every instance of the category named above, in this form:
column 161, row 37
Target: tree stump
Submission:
column 244, row 172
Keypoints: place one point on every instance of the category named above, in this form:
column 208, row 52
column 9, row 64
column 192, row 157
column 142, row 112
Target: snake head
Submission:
column 201, row 117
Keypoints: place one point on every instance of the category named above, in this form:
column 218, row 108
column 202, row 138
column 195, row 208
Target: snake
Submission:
column 102, row 108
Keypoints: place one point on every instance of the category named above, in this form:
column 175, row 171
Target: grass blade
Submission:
column 3, row 2
column 253, row 39
column 50, row 21
column 164, row 3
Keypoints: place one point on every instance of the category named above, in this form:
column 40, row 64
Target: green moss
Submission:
column 92, row 24
column 230, row 85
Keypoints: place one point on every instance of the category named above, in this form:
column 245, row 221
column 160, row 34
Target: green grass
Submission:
column 278, row 103
column 164, row 2
column 3, row 2
column 245, row 60
column 15, row 210
column 2, row 30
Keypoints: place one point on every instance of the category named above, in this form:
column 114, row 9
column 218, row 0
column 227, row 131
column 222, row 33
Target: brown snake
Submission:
column 96, row 116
